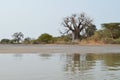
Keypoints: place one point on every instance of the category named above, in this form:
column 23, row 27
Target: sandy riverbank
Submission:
column 22, row 48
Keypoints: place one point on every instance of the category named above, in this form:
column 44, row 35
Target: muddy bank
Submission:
column 21, row 48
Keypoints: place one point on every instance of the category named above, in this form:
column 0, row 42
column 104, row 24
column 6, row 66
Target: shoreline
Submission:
column 59, row 48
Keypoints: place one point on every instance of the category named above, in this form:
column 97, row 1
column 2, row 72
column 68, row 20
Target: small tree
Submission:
column 27, row 40
column 5, row 41
column 18, row 36
column 80, row 26
column 45, row 38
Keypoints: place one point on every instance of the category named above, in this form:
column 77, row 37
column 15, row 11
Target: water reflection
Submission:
column 60, row 66
column 18, row 56
column 45, row 56
column 85, row 60
column 112, row 60
column 77, row 62
column 86, row 66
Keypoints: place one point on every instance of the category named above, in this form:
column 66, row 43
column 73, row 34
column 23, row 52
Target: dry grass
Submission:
column 90, row 42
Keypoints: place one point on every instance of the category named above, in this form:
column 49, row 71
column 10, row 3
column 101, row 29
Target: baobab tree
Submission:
column 80, row 26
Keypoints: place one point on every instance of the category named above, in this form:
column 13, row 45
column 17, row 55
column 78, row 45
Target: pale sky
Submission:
column 34, row 17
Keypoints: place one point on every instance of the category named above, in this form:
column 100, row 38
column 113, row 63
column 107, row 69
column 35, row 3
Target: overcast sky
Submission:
column 34, row 17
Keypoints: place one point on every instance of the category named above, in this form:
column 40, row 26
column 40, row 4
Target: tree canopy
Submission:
column 112, row 30
column 45, row 38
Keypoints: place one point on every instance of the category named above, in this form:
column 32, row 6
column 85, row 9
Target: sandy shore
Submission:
column 21, row 48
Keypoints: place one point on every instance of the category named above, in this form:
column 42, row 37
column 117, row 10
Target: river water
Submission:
column 60, row 66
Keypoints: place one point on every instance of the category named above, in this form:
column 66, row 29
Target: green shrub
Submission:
column 5, row 41
column 45, row 38
column 98, row 35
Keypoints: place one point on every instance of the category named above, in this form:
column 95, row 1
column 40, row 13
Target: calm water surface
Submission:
column 60, row 66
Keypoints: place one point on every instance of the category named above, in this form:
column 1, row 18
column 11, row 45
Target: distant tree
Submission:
column 111, row 30
column 18, row 36
column 13, row 41
column 5, row 41
column 80, row 26
column 35, row 41
column 27, row 40
column 45, row 38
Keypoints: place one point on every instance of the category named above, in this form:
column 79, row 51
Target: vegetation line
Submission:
column 77, row 29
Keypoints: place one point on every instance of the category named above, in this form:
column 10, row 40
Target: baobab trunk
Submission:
column 75, row 36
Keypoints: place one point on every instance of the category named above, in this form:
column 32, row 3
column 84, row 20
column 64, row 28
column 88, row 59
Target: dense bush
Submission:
column 97, row 36
column 45, row 38
column 5, row 41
